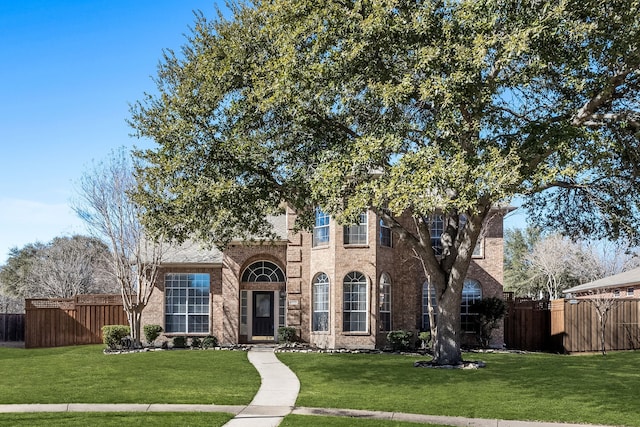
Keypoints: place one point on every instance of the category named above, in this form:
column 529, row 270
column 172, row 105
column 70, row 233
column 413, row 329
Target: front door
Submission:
column 263, row 314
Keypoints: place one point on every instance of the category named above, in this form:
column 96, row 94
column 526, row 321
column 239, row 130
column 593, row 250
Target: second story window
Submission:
column 436, row 228
column 385, row 234
column 356, row 234
column 321, row 228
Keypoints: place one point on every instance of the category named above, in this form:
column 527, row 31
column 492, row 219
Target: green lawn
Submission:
column 318, row 421
column 545, row 387
column 84, row 374
column 578, row 389
column 209, row 419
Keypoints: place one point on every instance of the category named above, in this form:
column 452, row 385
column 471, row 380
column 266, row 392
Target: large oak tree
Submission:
column 402, row 107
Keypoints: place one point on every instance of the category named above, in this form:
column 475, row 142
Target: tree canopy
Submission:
column 400, row 107
column 62, row 268
column 538, row 265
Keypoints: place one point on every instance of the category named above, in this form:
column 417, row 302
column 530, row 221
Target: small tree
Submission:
column 110, row 213
column 490, row 311
column 603, row 302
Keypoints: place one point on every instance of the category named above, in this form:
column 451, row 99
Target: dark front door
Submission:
column 263, row 313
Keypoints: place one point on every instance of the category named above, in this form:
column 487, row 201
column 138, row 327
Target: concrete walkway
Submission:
column 277, row 395
column 276, row 399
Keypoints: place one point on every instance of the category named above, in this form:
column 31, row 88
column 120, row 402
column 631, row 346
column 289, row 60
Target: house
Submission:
column 338, row 286
column 622, row 285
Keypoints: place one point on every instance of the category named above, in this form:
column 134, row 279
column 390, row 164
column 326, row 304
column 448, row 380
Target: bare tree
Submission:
column 606, row 258
column 62, row 268
column 11, row 305
column 71, row 266
column 555, row 263
column 552, row 259
column 603, row 302
column 105, row 205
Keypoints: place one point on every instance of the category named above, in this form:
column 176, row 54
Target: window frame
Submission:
column 190, row 303
column 385, row 304
column 469, row 297
column 355, row 297
column 436, row 229
column 426, row 324
column 321, row 234
column 263, row 271
column 357, row 234
column 386, row 236
column 320, row 287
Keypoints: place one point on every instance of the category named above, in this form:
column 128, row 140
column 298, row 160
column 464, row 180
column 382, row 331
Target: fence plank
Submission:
column 75, row 321
column 582, row 326
column 11, row 327
column 527, row 325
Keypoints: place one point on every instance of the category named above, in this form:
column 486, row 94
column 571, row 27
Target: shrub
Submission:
column 196, row 342
column 286, row 334
column 179, row 342
column 400, row 340
column 210, row 342
column 425, row 340
column 112, row 335
column 490, row 311
column 151, row 332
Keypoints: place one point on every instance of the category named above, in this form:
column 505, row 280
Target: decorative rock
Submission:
column 464, row 365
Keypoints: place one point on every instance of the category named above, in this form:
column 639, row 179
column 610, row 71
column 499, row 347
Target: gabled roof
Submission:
column 191, row 252
column 631, row 277
column 194, row 252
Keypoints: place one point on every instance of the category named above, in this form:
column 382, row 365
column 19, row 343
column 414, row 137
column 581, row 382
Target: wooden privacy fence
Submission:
column 73, row 321
column 11, row 327
column 570, row 326
column 527, row 325
column 575, row 326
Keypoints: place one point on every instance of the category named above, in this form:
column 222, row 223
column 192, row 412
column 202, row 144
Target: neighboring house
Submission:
column 338, row 286
column 623, row 285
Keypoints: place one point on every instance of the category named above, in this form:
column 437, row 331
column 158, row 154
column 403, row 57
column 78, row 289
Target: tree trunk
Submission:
column 603, row 326
column 446, row 349
column 134, row 316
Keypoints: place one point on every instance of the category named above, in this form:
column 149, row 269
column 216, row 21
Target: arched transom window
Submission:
column 263, row 271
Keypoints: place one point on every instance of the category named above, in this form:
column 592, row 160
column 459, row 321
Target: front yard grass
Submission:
column 209, row 419
column 322, row 421
column 84, row 374
column 541, row 387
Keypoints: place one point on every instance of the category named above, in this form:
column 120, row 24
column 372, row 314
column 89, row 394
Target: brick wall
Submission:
column 302, row 262
column 336, row 260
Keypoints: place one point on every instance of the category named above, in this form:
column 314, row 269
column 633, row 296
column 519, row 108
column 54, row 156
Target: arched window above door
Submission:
column 263, row 271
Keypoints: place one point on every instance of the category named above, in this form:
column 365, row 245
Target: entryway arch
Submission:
column 262, row 294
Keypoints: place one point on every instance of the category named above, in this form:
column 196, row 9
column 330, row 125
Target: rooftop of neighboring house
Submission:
column 628, row 278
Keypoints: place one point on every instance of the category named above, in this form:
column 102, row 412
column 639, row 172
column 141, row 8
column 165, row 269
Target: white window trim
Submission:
column 347, row 231
column 366, row 311
column 170, row 277
column 385, row 282
column 313, row 303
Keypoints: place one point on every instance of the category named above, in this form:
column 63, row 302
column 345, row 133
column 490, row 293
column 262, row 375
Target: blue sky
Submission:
column 70, row 70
